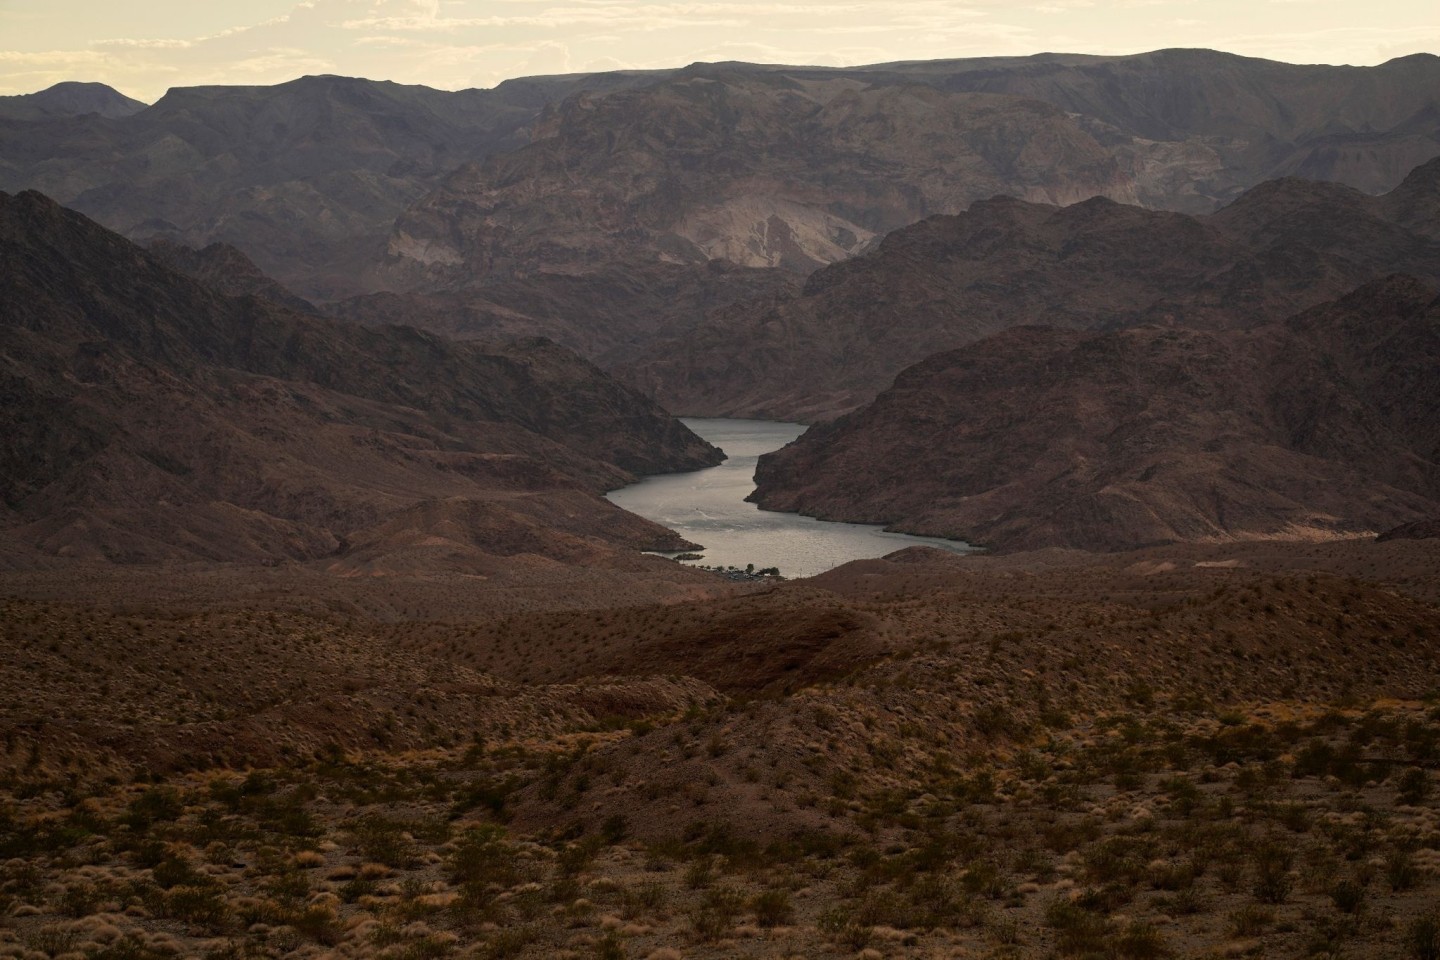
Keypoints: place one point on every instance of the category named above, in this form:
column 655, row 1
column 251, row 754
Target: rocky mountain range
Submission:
column 794, row 168
column 495, row 201
column 1325, row 425
column 148, row 417
column 735, row 239
column 1283, row 246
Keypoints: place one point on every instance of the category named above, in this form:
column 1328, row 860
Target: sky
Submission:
column 143, row 48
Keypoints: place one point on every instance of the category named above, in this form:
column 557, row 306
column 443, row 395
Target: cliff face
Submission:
column 763, row 170
column 1282, row 247
column 150, row 417
column 1321, row 426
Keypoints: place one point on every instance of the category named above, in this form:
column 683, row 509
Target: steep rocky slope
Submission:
column 1321, row 426
column 149, row 417
column 1284, row 246
column 226, row 270
column 304, row 177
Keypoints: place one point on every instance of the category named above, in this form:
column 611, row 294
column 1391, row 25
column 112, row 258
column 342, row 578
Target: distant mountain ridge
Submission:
column 304, row 177
column 310, row 177
column 70, row 99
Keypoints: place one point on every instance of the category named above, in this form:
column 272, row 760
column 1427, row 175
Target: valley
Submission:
column 364, row 447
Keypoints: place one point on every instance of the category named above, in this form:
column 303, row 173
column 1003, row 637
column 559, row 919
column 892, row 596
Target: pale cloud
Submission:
column 550, row 57
column 156, row 44
column 45, row 57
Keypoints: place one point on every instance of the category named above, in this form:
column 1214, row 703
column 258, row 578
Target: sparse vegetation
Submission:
column 944, row 786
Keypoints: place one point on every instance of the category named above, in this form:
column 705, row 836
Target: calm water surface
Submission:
column 708, row 507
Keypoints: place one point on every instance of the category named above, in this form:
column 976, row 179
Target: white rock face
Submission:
column 423, row 251
column 761, row 231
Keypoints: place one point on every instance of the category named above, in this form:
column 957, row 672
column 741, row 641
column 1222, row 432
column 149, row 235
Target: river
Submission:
column 708, row 507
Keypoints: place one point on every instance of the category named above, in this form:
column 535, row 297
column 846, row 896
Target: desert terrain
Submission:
column 320, row 639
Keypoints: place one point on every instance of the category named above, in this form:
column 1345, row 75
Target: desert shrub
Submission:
column 1272, row 873
column 319, row 923
column 81, row 899
column 1251, row 920
column 382, row 840
column 1413, row 787
column 1139, row 941
column 174, row 872
column 506, row 943
column 713, row 917
column 1078, row 932
column 840, row 924
column 1400, row 871
column 1423, row 938
column 156, row 805
column 482, row 857
column 645, row 897
column 772, row 908
column 52, row 940
column 1348, row 896
column 204, row 906
column 615, row 829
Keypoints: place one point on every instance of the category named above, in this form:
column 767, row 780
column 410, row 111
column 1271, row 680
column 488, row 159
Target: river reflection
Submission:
column 708, row 507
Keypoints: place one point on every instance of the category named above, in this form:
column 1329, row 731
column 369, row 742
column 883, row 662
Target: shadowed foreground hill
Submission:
column 1322, row 426
column 1166, row 753
column 147, row 417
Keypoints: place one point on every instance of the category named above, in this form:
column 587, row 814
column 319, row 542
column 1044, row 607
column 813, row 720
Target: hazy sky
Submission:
column 143, row 47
